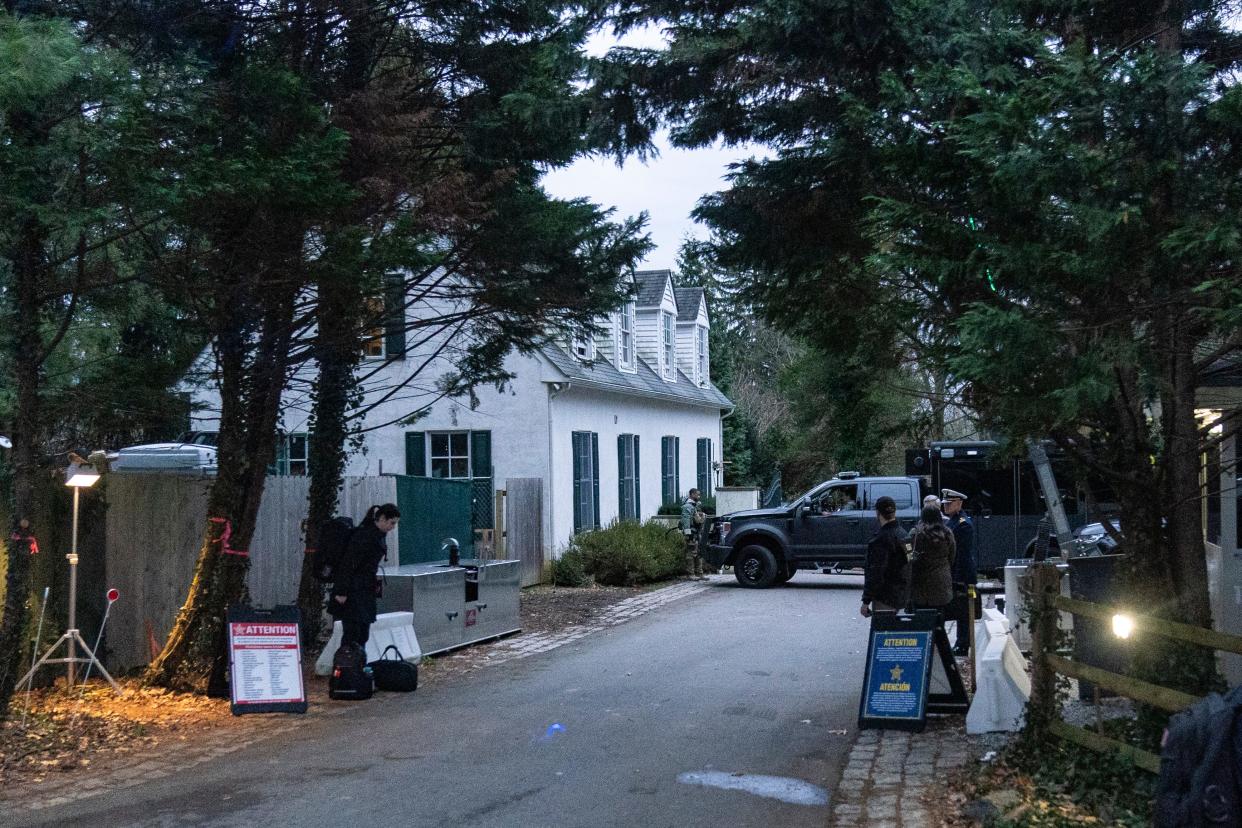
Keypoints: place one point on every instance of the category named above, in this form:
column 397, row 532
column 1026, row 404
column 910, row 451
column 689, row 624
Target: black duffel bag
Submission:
column 394, row 674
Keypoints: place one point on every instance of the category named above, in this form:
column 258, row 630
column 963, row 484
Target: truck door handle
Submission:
column 450, row 615
column 481, row 606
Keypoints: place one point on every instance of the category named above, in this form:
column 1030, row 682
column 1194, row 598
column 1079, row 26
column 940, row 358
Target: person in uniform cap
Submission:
column 965, row 574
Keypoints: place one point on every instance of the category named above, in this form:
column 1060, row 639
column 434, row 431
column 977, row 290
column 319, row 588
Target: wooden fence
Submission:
column 154, row 528
column 523, row 526
column 1047, row 664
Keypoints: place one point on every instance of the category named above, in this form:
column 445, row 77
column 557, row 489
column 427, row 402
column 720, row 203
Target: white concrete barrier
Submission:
column 389, row 628
column 1003, row 685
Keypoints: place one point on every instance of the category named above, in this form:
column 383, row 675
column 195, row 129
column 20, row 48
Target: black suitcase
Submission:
column 394, row 675
column 351, row 677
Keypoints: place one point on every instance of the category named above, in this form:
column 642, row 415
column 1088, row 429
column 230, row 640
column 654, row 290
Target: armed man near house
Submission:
column 691, row 522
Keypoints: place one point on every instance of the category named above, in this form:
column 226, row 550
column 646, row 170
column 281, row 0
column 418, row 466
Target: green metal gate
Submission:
column 433, row 509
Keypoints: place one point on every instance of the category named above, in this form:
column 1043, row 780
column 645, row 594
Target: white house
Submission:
column 614, row 424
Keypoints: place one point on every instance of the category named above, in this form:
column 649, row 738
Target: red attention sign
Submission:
column 267, row 663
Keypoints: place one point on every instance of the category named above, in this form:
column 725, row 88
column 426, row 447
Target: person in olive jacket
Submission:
column 931, row 567
column 886, row 584
column 353, row 589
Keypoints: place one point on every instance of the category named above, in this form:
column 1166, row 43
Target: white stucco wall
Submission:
column 610, row 415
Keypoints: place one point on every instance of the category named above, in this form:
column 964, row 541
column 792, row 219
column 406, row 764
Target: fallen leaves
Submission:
column 63, row 732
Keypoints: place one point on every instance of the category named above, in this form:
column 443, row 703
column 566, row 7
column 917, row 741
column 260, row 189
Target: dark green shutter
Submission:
column 703, row 451
column 394, row 316
column 480, row 454
column 578, row 482
column 595, row 478
column 670, row 462
column 622, row 511
column 676, row 469
column 638, row 494
column 415, row 454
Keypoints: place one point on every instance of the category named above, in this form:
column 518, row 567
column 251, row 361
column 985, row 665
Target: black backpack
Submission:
column 333, row 541
column 351, row 678
column 1201, row 765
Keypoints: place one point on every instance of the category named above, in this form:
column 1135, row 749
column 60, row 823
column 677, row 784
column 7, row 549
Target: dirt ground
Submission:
column 52, row 732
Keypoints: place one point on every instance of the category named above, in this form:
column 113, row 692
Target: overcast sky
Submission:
column 667, row 187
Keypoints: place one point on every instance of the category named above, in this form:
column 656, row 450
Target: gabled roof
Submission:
column 603, row 375
column 688, row 302
column 651, row 285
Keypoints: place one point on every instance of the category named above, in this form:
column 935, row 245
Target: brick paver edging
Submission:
column 888, row 774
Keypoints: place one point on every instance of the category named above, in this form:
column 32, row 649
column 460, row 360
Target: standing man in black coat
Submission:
column 354, row 588
column 965, row 571
column 886, row 585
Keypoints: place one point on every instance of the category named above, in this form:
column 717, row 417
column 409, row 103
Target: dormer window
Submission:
column 669, row 341
column 583, row 346
column 700, row 353
column 625, row 337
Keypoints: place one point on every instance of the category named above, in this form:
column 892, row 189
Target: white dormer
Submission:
column 582, row 346
column 656, row 330
column 692, row 336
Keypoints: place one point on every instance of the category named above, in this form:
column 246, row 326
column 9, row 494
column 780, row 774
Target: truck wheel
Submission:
column 755, row 567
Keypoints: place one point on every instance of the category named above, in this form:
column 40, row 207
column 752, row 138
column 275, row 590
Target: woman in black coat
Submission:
column 353, row 588
column 931, row 569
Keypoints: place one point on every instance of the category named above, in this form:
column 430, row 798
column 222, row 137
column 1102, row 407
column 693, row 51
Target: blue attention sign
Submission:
column 896, row 674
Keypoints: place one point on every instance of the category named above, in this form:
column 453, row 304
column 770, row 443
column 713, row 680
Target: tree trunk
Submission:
column 253, row 378
column 27, row 266
column 337, row 352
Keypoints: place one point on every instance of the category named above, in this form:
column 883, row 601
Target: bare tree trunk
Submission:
column 27, row 266
column 250, row 405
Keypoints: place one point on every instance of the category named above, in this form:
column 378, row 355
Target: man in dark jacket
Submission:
column 965, row 573
column 886, row 585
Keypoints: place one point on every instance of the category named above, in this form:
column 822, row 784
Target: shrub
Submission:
column 570, row 570
column 669, row 509
column 627, row 553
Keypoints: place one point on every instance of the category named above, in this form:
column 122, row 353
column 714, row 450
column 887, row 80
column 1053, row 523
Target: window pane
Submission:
column 297, row 468
column 460, row 467
column 899, row 492
column 460, row 442
column 439, row 445
column 439, row 467
column 297, row 446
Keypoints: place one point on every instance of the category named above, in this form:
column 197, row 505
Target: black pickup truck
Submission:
column 826, row 528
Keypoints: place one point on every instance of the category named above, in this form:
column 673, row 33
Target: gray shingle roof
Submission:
column 688, row 300
column 651, row 286
column 603, row 375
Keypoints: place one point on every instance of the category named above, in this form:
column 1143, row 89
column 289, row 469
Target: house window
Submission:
column 704, row 454
column 670, row 345
column 586, row 480
column 670, row 462
column 625, row 336
column 583, row 346
column 291, row 456
column 373, row 331
column 450, row 454
column 629, row 503
column 700, row 344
